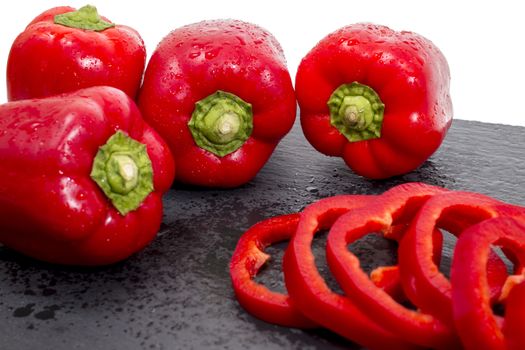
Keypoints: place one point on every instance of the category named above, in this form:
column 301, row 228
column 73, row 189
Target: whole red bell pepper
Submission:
column 64, row 49
column 376, row 97
column 221, row 96
column 475, row 322
column 81, row 177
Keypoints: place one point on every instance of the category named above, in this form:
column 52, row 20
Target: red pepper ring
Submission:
column 393, row 207
column 422, row 281
column 246, row 261
column 249, row 257
column 475, row 322
column 309, row 291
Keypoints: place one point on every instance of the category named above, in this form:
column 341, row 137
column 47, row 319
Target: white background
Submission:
column 484, row 41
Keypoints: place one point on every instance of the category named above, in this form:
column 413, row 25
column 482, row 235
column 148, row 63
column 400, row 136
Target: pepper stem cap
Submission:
column 356, row 111
column 86, row 17
column 123, row 170
column 221, row 123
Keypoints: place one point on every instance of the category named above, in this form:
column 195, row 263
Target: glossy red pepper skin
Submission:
column 50, row 208
column 409, row 74
column 310, row 293
column 48, row 59
column 424, row 284
column 394, row 207
column 476, row 324
column 194, row 62
column 249, row 257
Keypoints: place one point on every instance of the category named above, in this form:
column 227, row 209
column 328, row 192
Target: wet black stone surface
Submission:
column 176, row 294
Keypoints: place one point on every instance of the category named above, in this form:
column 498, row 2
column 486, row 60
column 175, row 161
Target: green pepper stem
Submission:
column 128, row 169
column 86, row 17
column 123, row 170
column 228, row 125
column 221, row 123
column 356, row 111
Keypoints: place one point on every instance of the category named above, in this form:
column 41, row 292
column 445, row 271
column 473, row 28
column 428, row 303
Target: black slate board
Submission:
column 176, row 294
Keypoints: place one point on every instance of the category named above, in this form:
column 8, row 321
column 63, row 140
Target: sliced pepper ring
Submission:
column 248, row 258
column 394, row 207
column 309, row 290
column 475, row 322
column 422, row 281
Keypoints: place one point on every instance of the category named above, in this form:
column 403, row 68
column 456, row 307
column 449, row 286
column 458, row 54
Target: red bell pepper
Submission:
column 424, row 284
column 249, row 257
column 396, row 206
column 310, row 293
column 476, row 324
column 81, row 177
column 63, row 50
column 378, row 98
column 221, row 96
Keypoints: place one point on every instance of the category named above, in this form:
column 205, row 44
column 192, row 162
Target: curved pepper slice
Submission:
column 375, row 97
column 475, row 322
column 515, row 318
column 81, row 177
column 64, row 49
column 311, row 294
column 396, row 206
column 388, row 279
column 221, row 96
column 246, row 261
column 424, row 284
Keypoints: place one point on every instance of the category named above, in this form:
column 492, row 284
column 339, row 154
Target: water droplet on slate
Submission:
column 312, row 189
